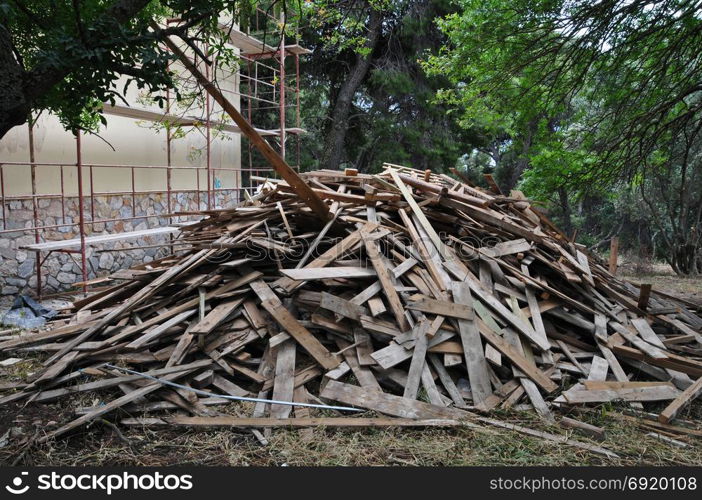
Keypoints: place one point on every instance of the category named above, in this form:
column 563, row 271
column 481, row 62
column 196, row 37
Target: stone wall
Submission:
column 61, row 270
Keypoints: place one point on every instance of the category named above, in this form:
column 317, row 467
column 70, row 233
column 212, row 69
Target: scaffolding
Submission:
column 265, row 90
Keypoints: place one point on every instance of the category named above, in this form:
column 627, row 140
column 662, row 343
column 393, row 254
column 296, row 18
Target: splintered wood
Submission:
column 422, row 298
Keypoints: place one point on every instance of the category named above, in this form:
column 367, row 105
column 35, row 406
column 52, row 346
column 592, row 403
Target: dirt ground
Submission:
column 103, row 443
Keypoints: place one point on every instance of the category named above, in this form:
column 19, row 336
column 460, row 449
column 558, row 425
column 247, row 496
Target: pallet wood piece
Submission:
column 593, row 431
column 472, row 345
column 427, row 256
column 225, row 421
column 276, row 161
column 646, row 393
column 418, row 360
column 376, row 306
column 112, row 405
column 549, row 437
column 342, row 307
column 537, row 401
column 446, row 381
column 417, row 211
column 516, row 358
column 321, row 273
column 363, row 374
column 216, row 316
column 386, row 283
column 228, row 386
column 644, row 296
column 314, row 347
column 364, row 347
column 284, row 382
column 387, row 403
column 680, row 402
column 598, row 369
column 439, row 307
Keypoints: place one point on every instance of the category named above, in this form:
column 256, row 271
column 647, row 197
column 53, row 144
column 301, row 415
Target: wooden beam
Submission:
column 296, row 182
column 309, row 342
column 684, row 399
column 387, row 403
column 613, row 254
column 254, row 422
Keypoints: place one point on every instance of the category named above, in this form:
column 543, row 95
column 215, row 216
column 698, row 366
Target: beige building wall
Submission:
column 124, row 141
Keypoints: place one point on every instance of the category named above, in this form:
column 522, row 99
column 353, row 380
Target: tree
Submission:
column 391, row 115
column 635, row 62
column 588, row 97
column 66, row 57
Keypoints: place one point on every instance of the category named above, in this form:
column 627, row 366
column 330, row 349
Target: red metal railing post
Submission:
column 208, row 138
column 35, row 207
column 281, row 104
column 81, row 216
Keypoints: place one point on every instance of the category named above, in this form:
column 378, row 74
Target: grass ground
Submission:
column 102, row 443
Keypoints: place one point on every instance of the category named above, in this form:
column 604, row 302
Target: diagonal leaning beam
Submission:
column 277, row 162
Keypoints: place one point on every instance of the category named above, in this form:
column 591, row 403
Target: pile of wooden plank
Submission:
column 419, row 297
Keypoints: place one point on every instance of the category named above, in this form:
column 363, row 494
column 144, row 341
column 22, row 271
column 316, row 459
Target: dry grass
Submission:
column 662, row 277
column 99, row 444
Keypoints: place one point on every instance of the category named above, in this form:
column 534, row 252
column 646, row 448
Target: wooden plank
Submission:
column 376, row 306
column 598, row 369
column 160, row 329
column 419, row 213
column 112, row 405
column 446, row 380
column 342, row 307
column 644, row 295
column 680, row 402
column 517, row 358
column 306, row 194
column 228, row 386
column 594, row 432
column 225, row 421
column 647, row 333
column 472, row 346
column 425, row 253
column 418, row 360
column 216, row 316
column 491, row 301
column 646, row 393
column 275, row 308
column 440, row 307
column 386, row 282
column 363, row 374
column 394, row 354
column 507, row 248
column 141, row 295
column 387, row 403
column 364, row 347
column 284, row 381
column 306, row 274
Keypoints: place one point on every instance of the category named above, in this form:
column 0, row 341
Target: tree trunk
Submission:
column 566, row 211
column 336, row 136
column 14, row 108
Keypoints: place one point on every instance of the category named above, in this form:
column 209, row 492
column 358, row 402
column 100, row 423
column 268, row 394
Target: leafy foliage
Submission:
column 75, row 52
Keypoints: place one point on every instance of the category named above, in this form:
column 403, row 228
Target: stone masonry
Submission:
column 61, row 270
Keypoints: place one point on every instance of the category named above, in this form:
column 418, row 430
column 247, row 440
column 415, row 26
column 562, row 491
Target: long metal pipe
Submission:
column 227, row 396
